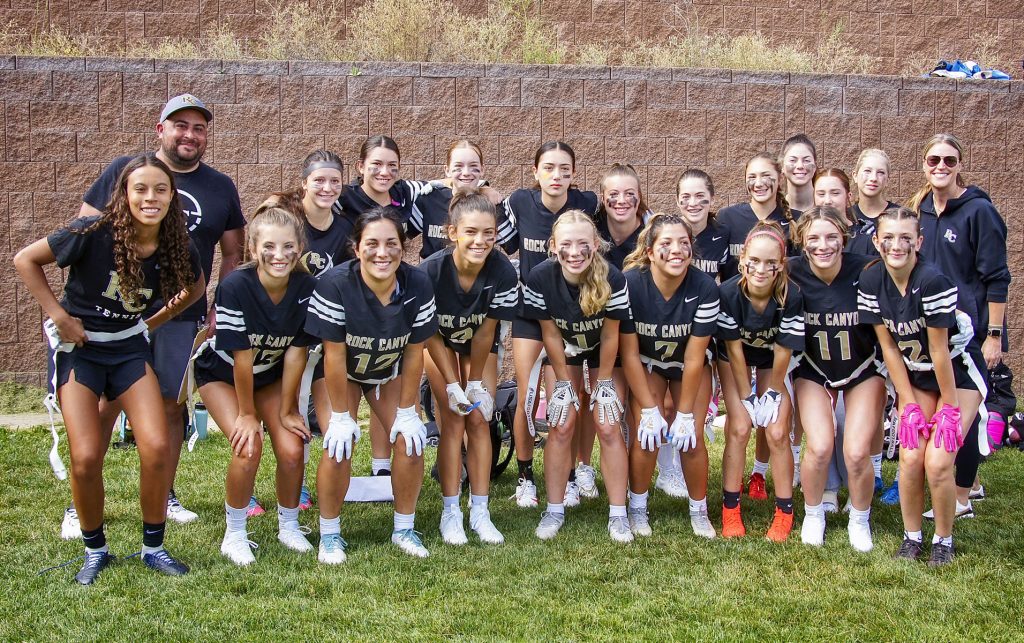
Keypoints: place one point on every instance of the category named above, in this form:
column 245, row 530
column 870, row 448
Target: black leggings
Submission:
column 968, row 458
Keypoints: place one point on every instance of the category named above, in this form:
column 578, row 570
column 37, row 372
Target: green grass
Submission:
column 581, row 586
column 21, row 398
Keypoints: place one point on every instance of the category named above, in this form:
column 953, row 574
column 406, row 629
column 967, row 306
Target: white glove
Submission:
column 457, row 400
column 408, row 423
column 606, row 398
column 477, row 394
column 341, row 437
column 769, row 407
column 561, row 399
column 683, row 432
column 651, row 428
column 752, row 404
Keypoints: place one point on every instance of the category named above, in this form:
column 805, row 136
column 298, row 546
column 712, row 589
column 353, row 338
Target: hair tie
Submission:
column 321, row 165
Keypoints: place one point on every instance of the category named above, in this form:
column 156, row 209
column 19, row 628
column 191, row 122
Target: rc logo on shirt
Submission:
column 193, row 211
column 950, row 236
column 316, row 263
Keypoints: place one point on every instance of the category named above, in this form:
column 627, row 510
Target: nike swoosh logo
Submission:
column 302, row 301
column 715, row 238
column 915, row 290
column 408, row 300
column 488, row 287
column 689, row 299
column 856, row 282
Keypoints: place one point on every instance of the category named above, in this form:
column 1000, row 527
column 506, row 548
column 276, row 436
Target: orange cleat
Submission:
column 732, row 523
column 756, row 487
column 782, row 524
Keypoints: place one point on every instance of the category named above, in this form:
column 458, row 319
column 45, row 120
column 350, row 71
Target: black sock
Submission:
column 785, row 504
column 731, row 499
column 572, row 474
column 153, row 534
column 94, row 538
column 525, row 469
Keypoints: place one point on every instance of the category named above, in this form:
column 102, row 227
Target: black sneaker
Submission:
column 941, row 555
column 95, row 562
column 909, row 550
column 163, row 562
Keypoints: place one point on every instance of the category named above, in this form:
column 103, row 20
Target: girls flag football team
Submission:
column 808, row 309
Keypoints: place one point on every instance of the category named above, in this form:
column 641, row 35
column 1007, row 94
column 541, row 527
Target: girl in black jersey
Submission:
column 870, row 178
column 925, row 338
column 248, row 375
column 579, row 300
column 767, row 203
column 799, row 160
column 760, row 325
column 136, row 252
column 463, row 170
column 374, row 314
column 839, row 357
column 377, row 184
column 674, row 314
column 475, row 287
column 531, row 214
column 695, row 192
column 327, row 245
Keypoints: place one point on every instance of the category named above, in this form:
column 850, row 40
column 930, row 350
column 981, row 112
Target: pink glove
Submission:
column 912, row 423
column 947, row 428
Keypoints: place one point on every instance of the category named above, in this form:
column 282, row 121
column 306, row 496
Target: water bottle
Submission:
column 200, row 420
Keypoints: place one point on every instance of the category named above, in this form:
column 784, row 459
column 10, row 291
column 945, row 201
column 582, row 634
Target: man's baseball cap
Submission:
column 185, row 101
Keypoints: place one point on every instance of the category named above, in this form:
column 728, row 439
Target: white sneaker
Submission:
column 480, row 522
column 176, row 512
column 332, row 549
column 860, row 536
column 830, row 501
column 452, row 531
column 639, row 522
column 618, row 529
column 672, row 483
column 294, row 538
column 70, row 528
column 526, row 494
column 572, row 494
column 813, row 530
column 238, row 548
column 549, row 525
column 701, row 525
column 586, row 478
column 409, row 541
column 962, row 511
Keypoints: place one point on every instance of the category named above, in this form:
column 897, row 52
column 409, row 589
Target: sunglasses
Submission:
column 933, row 161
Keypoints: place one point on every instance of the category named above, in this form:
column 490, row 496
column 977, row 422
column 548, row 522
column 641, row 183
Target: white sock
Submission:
column 760, row 467
column 94, row 550
column 859, row 516
column 638, row 500
column 897, row 478
column 287, row 518
column 377, row 464
column 948, row 540
column 916, row 536
column 697, row 506
column 450, row 502
column 147, row 550
column 330, row 526
column 616, row 511
column 556, row 508
column 405, row 521
column 814, row 510
column 876, row 464
column 796, row 453
column 236, row 518
column 478, row 504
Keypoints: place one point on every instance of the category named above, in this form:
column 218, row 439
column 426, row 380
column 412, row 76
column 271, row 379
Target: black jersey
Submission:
column 862, row 230
column 711, row 250
column 530, row 224
column 494, row 294
column 837, row 345
column 617, row 252
column 92, row 291
column 211, row 205
column 547, row 295
column 430, row 218
column 663, row 327
column 738, row 220
column 759, row 332
column 931, row 301
column 328, row 248
column 247, row 319
column 354, row 201
column 344, row 309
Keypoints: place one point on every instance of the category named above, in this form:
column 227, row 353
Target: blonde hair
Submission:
column 595, row 291
column 464, row 143
column 270, row 215
column 864, row 156
column 628, row 171
column 919, row 196
column 773, row 231
column 640, row 258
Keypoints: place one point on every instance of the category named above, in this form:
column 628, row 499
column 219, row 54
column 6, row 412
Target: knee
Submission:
column 560, row 435
column 290, row 458
column 248, row 464
column 87, row 466
column 856, row 456
column 738, row 431
column 913, row 459
column 938, row 468
column 777, row 435
column 817, row 453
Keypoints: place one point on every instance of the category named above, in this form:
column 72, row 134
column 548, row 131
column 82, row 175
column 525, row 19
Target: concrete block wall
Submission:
column 62, row 120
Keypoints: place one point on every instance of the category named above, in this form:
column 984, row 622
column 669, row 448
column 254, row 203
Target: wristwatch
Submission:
column 995, row 331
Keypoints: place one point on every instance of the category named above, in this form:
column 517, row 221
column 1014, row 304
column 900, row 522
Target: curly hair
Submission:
column 172, row 241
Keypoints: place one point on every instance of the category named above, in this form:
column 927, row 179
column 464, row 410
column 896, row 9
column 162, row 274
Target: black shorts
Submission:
column 723, row 355
column 103, row 373
column 807, row 372
column 967, row 367
column 523, row 328
column 172, row 344
column 211, row 368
